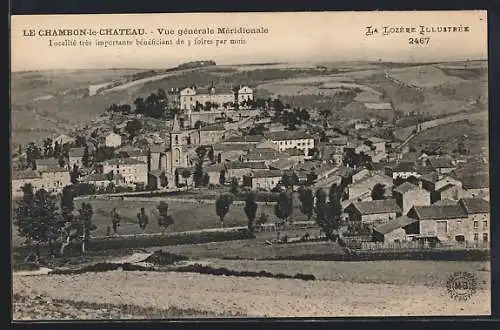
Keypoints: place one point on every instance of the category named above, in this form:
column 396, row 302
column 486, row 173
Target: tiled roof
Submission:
column 446, row 187
column 475, row 205
column 403, row 167
column 123, row 161
column 287, row 135
column 377, row 206
column 445, row 201
column 440, row 162
column 95, row 177
column 47, row 162
column 76, row 152
column 438, row 212
column 432, row 177
column 399, row 222
column 213, row 128
column 24, row 175
column 267, row 174
column 262, row 154
column 242, row 139
column 250, row 165
column 283, row 163
column 53, row 169
column 405, row 187
column 294, row 152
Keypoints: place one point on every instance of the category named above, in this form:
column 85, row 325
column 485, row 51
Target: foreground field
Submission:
column 402, row 272
column 254, row 297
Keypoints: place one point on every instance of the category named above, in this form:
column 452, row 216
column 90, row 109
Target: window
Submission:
column 485, row 237
column 476, row 236
column 485, row 224
column 476, row 224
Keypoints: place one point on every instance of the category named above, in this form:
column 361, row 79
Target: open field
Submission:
column 448, row 136
column 254, row 249
column 401, row 272
column 258, row 297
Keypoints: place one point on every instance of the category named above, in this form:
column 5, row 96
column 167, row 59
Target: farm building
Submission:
column 373, row 212
column 466, row 221
column 396, row 230
column 265, row 180
column 45, row 163
column 408, row 195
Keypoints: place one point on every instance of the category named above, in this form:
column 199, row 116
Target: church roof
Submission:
column 176, row 127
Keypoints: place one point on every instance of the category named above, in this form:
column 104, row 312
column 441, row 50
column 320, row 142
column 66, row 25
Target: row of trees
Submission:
column 328, row 209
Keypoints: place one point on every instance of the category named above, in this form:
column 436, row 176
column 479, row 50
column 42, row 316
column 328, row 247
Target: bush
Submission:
column 164, row 258
column 200, row 269
column 26, row 266
column 437, row 255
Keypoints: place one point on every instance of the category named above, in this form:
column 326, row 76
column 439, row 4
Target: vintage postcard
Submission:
column 215, row 165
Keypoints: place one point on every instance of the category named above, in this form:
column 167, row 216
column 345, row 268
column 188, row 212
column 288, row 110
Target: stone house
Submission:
column 45, row 163
column 442, row 165
column 408, row 195
column 52, row 179
column 133, row 171
column 291, row 139
column 75, row 157
column 238, row 169
column 373, row 212
column 265, row 180
column 396, row 230
column 466, row 221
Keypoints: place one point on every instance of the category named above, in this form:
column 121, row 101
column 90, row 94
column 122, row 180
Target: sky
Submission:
column 292, row 37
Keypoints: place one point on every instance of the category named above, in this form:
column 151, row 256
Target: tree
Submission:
column 283, row 209
column 413, row 180
column 74, row 174
column 234, row 186
column 222, row 205
column 219, row 158
column 186, row 173
column 198, row 173
column 86, row 157
column 85, row 224
column 398, row 181
column 140, row 106
column 211, row 155
column 306, row 198
column 37, row 219
column 162, row 95
column 115, row 220
column 67, row 204
column 48, row 151
column 261, row 220
column 320, row 207
column 57, row 153
column 133, row 127
column 331, row 222
column 222, row 177
column 251, row 210
column 164, row 219
column 378, row 192
column 311, row 178
column 143, row 218
column 206, row 179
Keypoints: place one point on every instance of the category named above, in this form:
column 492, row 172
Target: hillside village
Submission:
column 203, row 139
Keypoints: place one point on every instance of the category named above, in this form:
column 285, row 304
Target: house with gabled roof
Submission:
column 373, row 212
column 408, row 195
column 466, row 221
column 396, row 230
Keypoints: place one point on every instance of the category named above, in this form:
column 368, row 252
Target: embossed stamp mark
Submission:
column 461, row 285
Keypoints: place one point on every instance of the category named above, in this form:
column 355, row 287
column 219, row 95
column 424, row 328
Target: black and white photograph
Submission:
column 250, row 165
